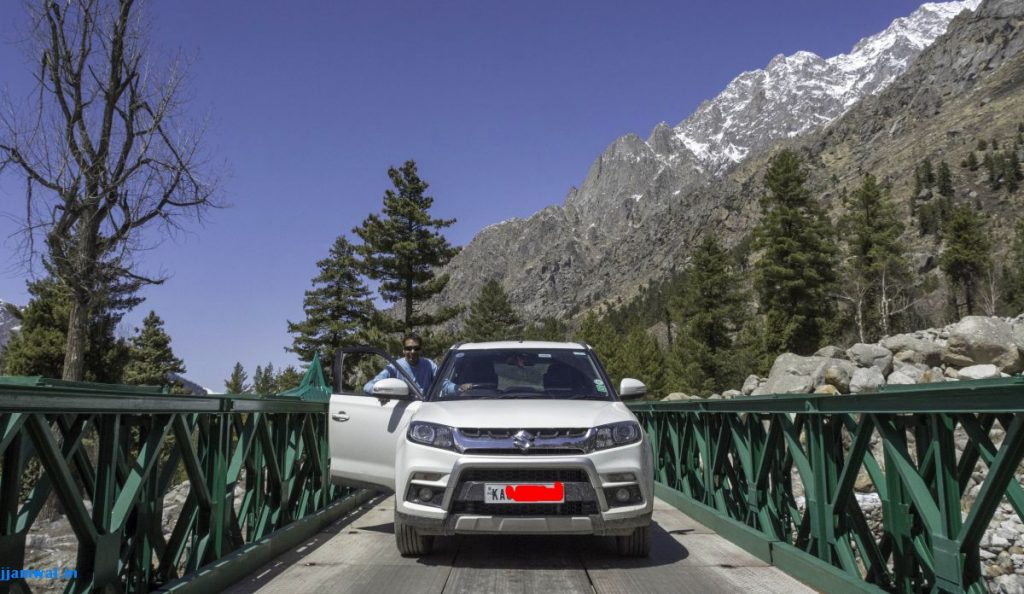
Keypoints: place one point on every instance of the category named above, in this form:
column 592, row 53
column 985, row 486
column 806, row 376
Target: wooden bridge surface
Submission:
column 357, row 554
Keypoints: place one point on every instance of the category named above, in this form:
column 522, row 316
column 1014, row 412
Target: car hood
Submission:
column 524, row 414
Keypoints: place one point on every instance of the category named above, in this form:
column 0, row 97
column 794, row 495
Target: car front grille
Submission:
column 569, row 508
column 484, row 433
column 525, row 475
column 529, row 452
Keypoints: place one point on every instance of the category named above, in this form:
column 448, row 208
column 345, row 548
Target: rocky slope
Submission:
column 645, row 202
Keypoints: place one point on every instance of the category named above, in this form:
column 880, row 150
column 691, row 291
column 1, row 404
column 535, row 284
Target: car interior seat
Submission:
column 477, row 370
column 561, row 378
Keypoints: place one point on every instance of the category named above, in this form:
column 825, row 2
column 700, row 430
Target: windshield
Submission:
column 551, row 374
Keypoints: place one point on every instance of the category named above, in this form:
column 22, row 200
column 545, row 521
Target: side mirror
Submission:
column 391, row 387
column 631, row 389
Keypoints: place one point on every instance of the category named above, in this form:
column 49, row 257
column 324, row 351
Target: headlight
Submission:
column 431, row 434
column 617, row 434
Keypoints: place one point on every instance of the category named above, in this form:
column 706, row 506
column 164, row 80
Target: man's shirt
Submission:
column 424, row 372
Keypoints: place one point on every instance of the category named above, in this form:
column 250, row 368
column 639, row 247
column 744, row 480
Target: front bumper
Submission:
column 471, row 524
column 449, row 467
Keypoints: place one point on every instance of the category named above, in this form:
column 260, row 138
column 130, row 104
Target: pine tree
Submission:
column 38, row 348
column 288, row 378
column 338, row 308
column 402, row 248
column 263, row 380
column 491, row 316
column 945, row 180
column 548, row 328
column 795, row 276
column 641, row 359
column 877, row 279
column 151, row 359
column 236, row 384
column 972, row 161
column 927, row 174
column 710, row 310
column 601, row 336
column 1013, row 288
column 966, row 259
column 1012, row 174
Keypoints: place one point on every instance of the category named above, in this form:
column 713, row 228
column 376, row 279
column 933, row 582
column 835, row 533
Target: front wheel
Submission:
column 409, row 540
column 637, row 544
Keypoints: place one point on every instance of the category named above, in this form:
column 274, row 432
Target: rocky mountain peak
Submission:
column 643, row 204
column 797, row 93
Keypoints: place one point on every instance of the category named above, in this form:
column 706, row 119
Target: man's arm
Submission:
column 385, row 373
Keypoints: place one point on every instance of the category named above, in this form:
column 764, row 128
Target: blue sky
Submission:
column 504, row 105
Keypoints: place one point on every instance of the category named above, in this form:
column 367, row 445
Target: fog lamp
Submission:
column 426, row 494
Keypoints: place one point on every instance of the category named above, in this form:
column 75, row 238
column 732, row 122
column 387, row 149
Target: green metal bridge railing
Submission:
column 737, row 466
column 111, row 453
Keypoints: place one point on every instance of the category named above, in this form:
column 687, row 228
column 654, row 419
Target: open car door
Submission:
column 364, row 429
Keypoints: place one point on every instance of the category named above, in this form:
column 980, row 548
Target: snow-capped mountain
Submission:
column 644, row 203
column 801, row 92
column 8, row 323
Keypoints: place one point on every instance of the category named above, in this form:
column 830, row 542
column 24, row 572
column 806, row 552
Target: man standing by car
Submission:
column 420, row 368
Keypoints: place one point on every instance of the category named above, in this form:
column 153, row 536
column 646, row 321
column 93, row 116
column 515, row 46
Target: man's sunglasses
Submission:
column 411, row 348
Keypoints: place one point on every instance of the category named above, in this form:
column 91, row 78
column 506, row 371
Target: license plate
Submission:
column 524, row 493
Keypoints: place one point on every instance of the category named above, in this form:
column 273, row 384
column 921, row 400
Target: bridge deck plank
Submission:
column 358, row 554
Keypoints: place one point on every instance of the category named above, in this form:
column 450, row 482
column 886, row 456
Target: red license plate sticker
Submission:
column 529, row 493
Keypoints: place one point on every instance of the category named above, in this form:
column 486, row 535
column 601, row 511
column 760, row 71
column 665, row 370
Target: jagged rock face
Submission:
column 798, row 93
column 643, row 204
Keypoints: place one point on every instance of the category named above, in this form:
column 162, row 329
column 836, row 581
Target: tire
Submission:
column 409, row 540
column 637, row 544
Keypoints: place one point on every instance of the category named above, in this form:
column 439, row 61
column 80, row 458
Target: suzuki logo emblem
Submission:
column 523, row 440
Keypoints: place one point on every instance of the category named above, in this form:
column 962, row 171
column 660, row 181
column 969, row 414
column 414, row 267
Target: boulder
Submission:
column 871, row 355
column 866, row 379
column 793, row 374
column 831, row 352
column 676, row 396
column 976, row 372
column 934, row 375
column 979, row 340
column 730, row 394
column 921, row 350
column 910, row 370
column 715, row 397
column 750, row 384
column 951, row 373
column 899, row 378
column 827, row 389
column 838, row 375
column 1017, row 329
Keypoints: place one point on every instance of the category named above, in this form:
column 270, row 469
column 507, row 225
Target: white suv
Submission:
column 512, row 437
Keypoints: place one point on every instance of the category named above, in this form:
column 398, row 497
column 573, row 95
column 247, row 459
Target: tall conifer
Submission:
column 491, row 316
column 966, row 259
column 709, row 310
column 402, row 248
column 338, row 308
column 151, row 358
column 795, row 275
column 236, row 384
column 875, row 262
column 641, row 359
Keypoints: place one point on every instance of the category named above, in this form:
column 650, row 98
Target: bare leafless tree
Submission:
column 99, row 151
column 990, row 293
column 896, row 295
